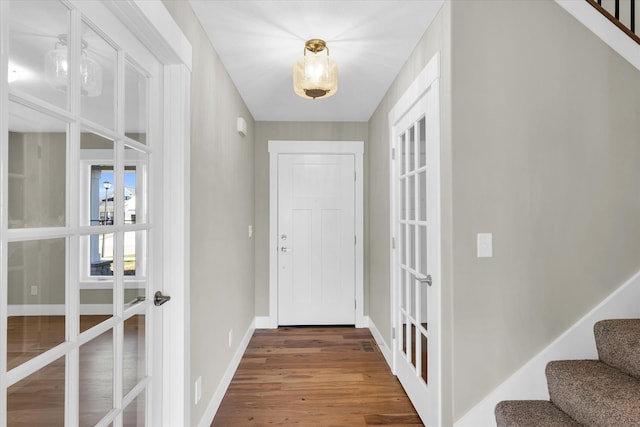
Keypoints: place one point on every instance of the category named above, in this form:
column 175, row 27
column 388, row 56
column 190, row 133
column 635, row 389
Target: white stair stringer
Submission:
column 529, row 382
column 604, row 29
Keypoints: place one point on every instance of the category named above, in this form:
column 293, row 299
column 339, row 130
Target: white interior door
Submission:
column 316, row 239
column 81, row 230
column 416, row 257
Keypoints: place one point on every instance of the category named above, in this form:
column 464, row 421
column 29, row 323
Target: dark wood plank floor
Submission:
column 309, row 376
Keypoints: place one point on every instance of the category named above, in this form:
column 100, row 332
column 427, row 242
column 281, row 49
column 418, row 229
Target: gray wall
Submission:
column 222, row 260
column 289, row 131
column 546, row 156
column 539, row 147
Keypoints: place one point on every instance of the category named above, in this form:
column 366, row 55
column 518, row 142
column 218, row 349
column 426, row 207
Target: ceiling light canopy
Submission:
column 56, row 69
column 315, row 75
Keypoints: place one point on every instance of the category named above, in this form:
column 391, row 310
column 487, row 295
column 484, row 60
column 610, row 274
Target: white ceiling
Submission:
column 259, row 41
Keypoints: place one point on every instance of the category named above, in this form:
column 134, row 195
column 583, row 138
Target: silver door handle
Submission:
column 159, row 299
column 425, row 279
column 283, row 249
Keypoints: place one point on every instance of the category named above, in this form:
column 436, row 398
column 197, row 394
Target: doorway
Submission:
column 316, row 218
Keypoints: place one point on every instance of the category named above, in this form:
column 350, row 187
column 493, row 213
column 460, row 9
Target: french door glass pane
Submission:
column 135, row 202
column 403, row 198
column 402, row 244
column 38, row 53
column 96, row 305
column 412, row 343
column 403, row 157
column 96, row 379
column 422, row 191
column 412, row 246
column 37, row 155
column 423, row 142
column 134, row 414
column 98, row 78
column 136, row 112
column 412, row 197
column 97, row 199
column 424, row 300
column 412, row 297
column 424, row 358
column 423, row 249
column 403, row 289
column 100, row 248
column 135, row 253
column 38, row 400
column 36, row 294
column 412, row 149
column 134, row 363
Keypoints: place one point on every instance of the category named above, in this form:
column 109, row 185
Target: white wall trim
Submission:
column 577, row 342
column 603, row 28
column 314, row 147
column 380, row 341
column 176, row 369
column 266, row 322
column 223, row 385
column 152, row 23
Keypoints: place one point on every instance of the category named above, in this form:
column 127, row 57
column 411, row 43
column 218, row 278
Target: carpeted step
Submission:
column 618, row 343
column 531, row 413
column 593, row 393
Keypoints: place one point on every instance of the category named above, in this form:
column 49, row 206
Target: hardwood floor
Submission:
column 314, row 376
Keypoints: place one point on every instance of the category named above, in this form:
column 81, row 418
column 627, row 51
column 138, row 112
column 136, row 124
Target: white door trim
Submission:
column 428, row 79
column 152, row 23
column 314, row 147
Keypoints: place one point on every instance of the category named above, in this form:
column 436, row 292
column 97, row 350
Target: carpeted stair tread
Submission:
column 531, row 413
column 618, row 344
column 593, row 393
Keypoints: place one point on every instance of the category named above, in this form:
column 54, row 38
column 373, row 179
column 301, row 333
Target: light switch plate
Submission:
column 485, row 245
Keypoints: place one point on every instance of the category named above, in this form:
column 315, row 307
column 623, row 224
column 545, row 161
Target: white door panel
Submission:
column 316, row 229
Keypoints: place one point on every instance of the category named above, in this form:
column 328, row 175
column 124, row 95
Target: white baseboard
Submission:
column 578, row 342
column 223, row 385
column 266, row 322
column 56, row 309
column 382, row 344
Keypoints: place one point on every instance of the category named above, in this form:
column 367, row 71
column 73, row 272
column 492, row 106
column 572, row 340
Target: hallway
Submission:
column 314, row 376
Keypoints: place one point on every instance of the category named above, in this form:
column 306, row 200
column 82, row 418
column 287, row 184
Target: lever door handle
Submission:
column 284, row 249
column 159, row 299
column 425, row 279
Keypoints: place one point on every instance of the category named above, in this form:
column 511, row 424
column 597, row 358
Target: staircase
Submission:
column 603, row 392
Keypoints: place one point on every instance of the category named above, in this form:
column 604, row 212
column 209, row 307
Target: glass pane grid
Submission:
column 38, row 197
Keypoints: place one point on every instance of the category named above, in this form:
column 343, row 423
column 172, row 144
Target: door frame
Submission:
column 152, row 23
column 428, row 79
column 356, row 148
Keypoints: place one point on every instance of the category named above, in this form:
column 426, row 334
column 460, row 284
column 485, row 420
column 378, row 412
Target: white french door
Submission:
column 316, row 232
column 416, row 249
column 80, row 229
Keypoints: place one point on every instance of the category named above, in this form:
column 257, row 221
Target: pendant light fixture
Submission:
column 56, row 69
column 315, row 75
